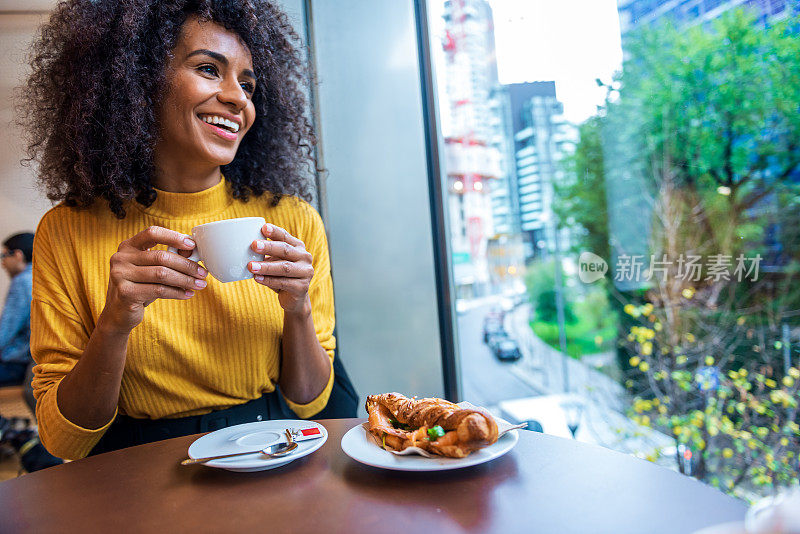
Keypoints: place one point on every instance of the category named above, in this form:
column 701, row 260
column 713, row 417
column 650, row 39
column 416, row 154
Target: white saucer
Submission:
column 253, row 436
column 357, row 445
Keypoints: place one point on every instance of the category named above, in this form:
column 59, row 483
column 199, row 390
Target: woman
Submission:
column 149, row 118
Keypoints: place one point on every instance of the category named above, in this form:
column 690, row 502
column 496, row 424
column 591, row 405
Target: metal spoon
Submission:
column 273, row 451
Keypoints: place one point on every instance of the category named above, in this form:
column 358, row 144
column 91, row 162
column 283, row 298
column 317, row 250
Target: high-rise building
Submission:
column 472, row 161
column 534, row 117
column 634, row 13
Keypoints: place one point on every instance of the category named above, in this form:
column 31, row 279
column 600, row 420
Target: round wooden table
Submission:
column 545, row 484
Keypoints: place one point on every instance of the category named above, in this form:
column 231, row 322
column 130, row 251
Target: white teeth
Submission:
column 216, row 119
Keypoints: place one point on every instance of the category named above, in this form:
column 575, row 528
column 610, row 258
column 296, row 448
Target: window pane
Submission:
column 623, row 223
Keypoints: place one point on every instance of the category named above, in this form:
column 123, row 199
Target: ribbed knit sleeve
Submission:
column 58, row 338
column 321, row 294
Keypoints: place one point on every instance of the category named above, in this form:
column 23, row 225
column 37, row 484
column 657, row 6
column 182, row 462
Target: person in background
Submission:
column 15, row 321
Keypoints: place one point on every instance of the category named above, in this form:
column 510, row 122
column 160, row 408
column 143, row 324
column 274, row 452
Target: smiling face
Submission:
column 208, row 106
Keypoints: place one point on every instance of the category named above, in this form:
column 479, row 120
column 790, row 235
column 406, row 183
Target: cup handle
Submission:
column 194, row 257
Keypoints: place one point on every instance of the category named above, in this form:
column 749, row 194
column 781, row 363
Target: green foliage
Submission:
column 580, row 200
column 540, row 281
column 590, row 321
column 711, row 108
column 706, row 119
column 539, row 277
column 546, row 310
column 593, row 330
column 738, row 421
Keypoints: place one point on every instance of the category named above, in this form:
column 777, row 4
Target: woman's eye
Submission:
column 248, row 87
column 208, row 69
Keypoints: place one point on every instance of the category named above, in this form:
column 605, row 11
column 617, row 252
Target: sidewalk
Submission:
column 603, row 421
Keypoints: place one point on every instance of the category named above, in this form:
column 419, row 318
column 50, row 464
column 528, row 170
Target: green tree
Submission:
column 715, row 111
column 706, row 120
column 580, row 200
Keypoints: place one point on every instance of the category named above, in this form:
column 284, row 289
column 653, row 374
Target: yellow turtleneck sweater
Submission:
column 218, row 349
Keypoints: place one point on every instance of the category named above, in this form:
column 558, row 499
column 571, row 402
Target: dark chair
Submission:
column 27, row 390
column 343, row 402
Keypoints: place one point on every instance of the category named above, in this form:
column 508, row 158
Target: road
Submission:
column 485, row 380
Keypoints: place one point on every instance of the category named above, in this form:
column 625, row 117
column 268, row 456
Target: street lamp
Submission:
column 573, row 410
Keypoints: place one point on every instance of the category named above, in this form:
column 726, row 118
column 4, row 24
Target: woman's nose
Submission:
column 232, row 93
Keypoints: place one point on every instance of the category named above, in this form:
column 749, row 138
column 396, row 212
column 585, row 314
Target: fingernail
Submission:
column 259, row 246
column 200, row 283
column 259, row 278
column 269, row 228
column 255, row 266
column 188, row 242
column 189, row 293
column 201, row 271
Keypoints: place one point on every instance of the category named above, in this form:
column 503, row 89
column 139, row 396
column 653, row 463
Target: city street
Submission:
column 533, row 387
column 485, row 380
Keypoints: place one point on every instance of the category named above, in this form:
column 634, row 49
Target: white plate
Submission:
column 252, row 436
column 358, row 446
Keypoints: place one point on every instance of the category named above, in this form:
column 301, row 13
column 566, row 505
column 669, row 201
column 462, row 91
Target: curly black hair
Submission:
column 89, row 105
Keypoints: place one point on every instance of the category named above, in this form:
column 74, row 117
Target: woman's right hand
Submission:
column 140, row 275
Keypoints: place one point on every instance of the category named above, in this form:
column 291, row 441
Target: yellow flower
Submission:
column 740, row 321
column 647, row 348
column 752, row 443
column 631, row 310
column 688, row 293
column 788, row 381
column 647, row 309
column 785, row 442
column 727, row 453
column 770, row 383
column 794, row 372
column 644, row 366
column 743, row 373
column 701, row 444
column 634, row 361
column 680, row 360
column 657, row 326
column 709, row 360
column 690, row 337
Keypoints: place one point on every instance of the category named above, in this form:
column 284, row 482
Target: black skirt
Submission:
column 129, row 431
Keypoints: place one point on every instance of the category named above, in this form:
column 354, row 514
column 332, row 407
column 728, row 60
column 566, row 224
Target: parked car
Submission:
column 491, row 328
column 495, row 339
column 507, row 350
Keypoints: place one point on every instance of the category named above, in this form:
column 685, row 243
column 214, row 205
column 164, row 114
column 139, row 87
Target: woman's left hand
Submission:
column 287, row 268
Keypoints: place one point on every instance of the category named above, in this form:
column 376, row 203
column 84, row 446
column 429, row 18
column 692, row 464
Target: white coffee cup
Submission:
column 224, row 247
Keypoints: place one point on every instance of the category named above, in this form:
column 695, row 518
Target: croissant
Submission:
column 465, row 430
